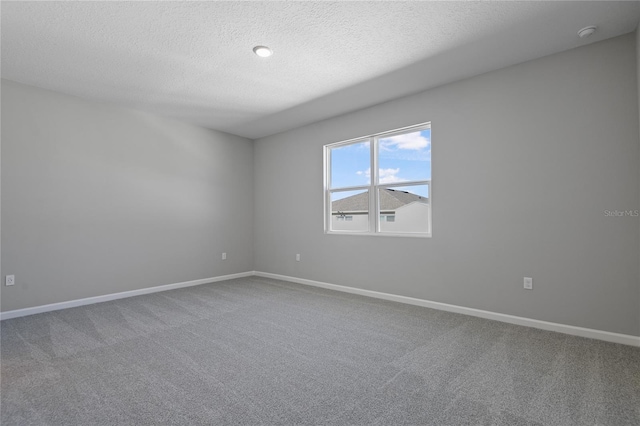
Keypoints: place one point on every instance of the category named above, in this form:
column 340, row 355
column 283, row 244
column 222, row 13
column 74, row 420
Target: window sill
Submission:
column 381, row 234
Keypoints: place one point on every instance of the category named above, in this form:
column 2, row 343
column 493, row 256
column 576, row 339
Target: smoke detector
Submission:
column 587, row 31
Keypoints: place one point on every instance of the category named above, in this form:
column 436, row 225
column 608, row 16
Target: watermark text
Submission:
column 622, row 213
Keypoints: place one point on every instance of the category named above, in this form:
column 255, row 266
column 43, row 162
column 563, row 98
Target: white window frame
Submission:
column 373, row 187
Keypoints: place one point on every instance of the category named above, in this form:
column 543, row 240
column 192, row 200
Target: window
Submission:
column 380, row 184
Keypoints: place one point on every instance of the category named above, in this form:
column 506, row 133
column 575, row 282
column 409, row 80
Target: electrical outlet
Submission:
column 528, row 283
column 10, row 280
column 224, row 256
column 297, row 257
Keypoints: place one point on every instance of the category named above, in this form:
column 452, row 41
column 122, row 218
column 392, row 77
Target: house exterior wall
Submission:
column 359, row 222
column 413, row 217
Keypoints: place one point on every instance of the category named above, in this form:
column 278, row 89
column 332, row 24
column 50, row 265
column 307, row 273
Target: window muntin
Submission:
column 391, row 172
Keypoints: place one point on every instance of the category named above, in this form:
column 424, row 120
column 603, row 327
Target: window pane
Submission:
column 387, row 218
column 350, row 165
column 406, row 209
column 350, row 211
column 405, row 157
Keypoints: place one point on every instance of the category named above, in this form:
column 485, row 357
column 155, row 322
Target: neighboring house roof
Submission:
column 390, row 199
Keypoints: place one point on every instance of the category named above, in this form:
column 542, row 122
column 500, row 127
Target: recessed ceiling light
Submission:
column 262, row 51
column 587, row 31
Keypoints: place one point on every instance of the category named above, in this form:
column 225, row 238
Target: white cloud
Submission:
column 385, row 175
column 412, row 141
column 390, row 176
column 366, row 173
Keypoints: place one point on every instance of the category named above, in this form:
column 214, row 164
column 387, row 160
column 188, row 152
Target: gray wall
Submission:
column 98, row 199
column 638, row 84
column 525, row 162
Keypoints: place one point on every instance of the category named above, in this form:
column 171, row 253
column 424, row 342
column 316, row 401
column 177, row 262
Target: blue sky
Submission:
column 402, row 158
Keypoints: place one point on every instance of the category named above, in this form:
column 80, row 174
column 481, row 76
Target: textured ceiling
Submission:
column 194, row 61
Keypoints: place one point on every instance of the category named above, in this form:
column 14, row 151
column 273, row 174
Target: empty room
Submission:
column 320, row 213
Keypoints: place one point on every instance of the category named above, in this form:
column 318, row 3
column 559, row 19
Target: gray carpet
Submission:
column 257, row 351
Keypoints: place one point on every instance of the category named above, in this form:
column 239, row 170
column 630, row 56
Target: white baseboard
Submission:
column 607, row 336
column 105, row 298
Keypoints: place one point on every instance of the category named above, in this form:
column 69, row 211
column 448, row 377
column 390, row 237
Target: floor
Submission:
column 258, row 351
